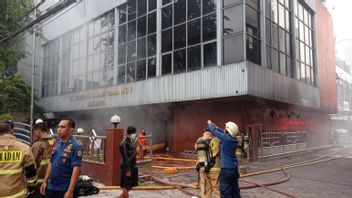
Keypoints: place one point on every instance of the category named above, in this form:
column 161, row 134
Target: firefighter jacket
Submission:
column 208, row 153
column 41, row 150
column 17, row 168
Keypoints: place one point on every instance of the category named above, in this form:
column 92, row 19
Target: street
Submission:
column 324, row 180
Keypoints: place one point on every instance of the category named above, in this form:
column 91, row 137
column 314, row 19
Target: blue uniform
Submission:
column 229, row 187
column 64, row 156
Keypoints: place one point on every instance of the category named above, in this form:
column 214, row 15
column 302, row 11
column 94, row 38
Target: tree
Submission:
column 15, row 94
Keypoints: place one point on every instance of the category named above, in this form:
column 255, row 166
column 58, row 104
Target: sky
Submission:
column 342, row 17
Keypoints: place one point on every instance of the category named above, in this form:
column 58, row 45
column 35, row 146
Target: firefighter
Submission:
column 41, row 150
column 208, row 165
column 64, row 166
column 17, row 168
column 142, row 141
column 229, row 165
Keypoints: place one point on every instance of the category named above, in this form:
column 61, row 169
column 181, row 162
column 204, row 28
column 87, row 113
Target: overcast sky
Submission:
column 341, row 11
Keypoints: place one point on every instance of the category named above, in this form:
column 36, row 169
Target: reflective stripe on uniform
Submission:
column 32, row 180
column 19, row 194
column 44, row 162
column 39, row 181
column 11, row 172
column 214, row 169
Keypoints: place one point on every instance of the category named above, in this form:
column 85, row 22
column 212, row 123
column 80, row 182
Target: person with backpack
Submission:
column 208, row 165
column 128, row 169
column 229, row 175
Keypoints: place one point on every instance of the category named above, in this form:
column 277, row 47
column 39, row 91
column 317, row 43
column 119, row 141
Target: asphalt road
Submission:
column 323, row 180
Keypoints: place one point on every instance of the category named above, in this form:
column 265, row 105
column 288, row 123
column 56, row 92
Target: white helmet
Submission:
column 232, row 128
column 39, row 121
column 80, row 131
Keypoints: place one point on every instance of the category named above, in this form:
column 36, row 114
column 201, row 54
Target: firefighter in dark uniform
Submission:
column 17, row 168
column 64, row 166
column 41, row 150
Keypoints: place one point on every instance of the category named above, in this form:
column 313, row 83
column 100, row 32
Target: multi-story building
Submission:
column 170, row 65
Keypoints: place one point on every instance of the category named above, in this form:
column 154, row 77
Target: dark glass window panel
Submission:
column 268, row 31
column 151, row 67
column 275, row 60
column 180, row 36
column 166, row 64
column 141, row 70
column 253, row 50
column 193, row 58
column 193, row 9
column 253, row 3
column 231, row 2
column 209, row 27
column 252, row 20
column 233, row 49
column 151, row 5
column 142, row 7
column 194, row 32
column 210, row 54
column 268, row 8
column 233, row 20
column 142, row 26
column 131, row 72
column 131, row 9
column 209, row 6
column 166, row 40
column 268, row 57
column 122, row 14
column 274, row 35
column 288, row 66
column 180, row 11
column 166, row 2
column 151, row 45
column 141, row 48
column 180, row 61
column 131, row 51
column 152, row 22
column 288, row 44
column 166, row 19
column 282, row 40
column 122, row 54
column 122, row 34
column 131, row 31
column 282, row 63
column 121, row 75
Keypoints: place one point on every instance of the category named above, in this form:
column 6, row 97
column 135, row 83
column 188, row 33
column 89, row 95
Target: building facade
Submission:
column 170, row 65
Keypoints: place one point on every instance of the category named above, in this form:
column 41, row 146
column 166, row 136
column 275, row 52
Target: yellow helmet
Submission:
column 232, row 128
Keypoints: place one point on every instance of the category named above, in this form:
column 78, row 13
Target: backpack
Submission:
column 209, row 158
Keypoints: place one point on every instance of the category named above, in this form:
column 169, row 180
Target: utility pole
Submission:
column 34, row 49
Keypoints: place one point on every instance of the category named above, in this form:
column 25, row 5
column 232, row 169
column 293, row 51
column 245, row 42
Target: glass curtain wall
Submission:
column 100, row 65
column 188, row 36
column 73, row 60
column 278, row 36
column 233, row 44
column 136, row 41
column 305, row 67
column 51, row 68
column 253, row 31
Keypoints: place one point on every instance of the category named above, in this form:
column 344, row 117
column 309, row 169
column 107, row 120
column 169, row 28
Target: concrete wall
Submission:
column 326, row 68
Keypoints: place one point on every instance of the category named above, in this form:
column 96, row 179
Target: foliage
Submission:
column 13, row 16
column 6, row 116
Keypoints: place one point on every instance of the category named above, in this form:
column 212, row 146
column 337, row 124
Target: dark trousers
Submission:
column 229, row 187
column 57, row 194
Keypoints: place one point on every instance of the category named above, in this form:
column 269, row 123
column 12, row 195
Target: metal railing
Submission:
column 22, row 132
column 282, row 142
column 93, row 146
